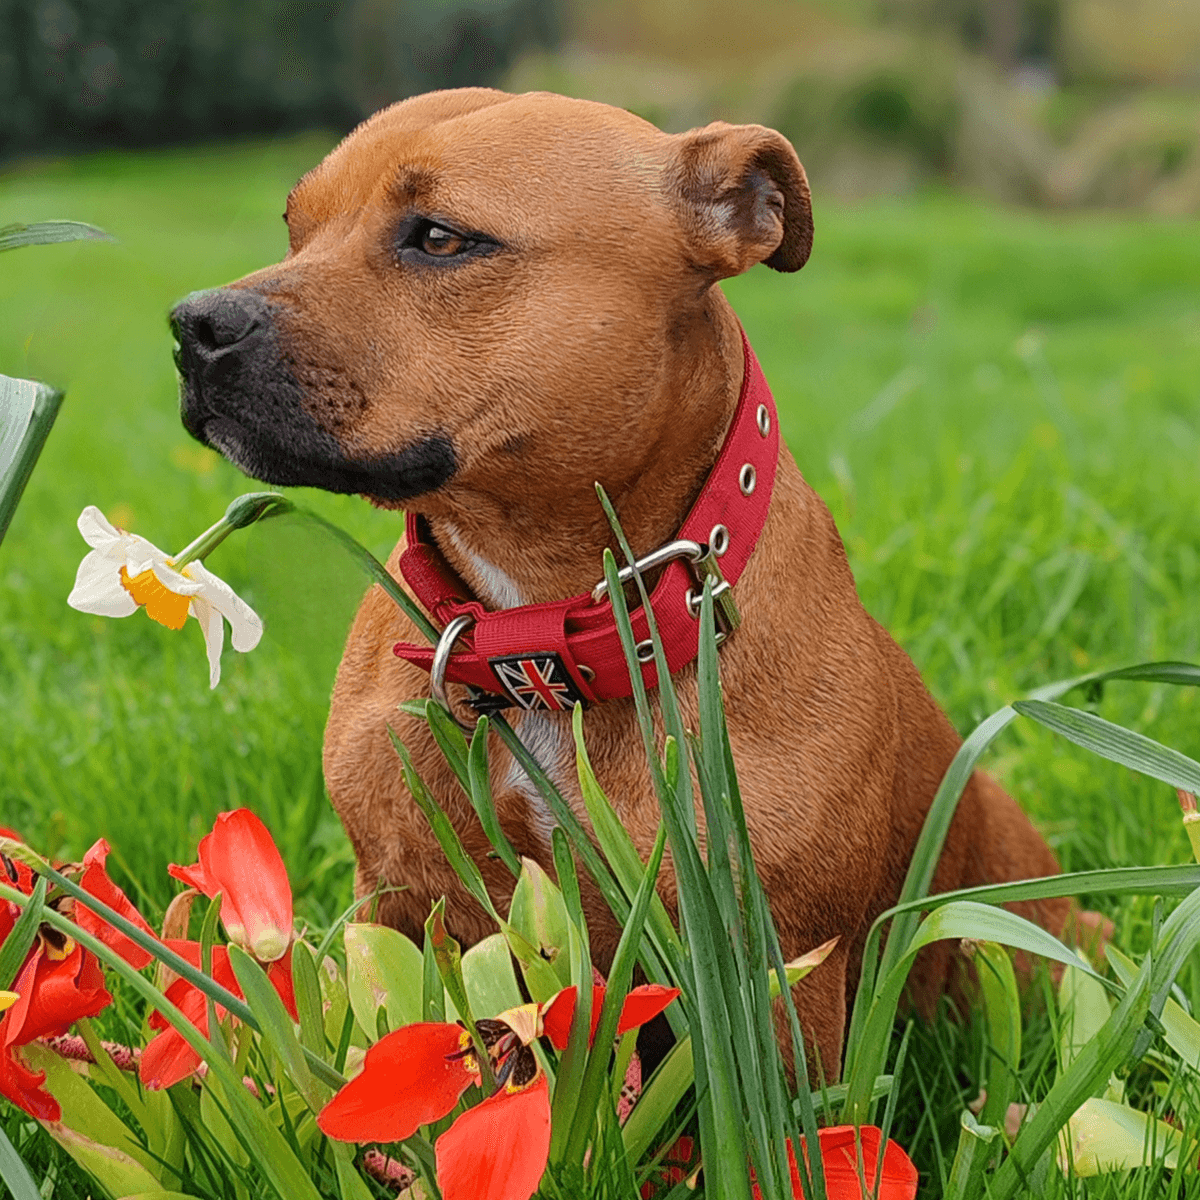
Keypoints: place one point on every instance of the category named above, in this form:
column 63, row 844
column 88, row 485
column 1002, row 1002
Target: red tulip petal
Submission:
column 407, row 1080
column 55, row 994
column 24, row 874
column 96, row 882
column 839, row 1160
column 240, row 857
column 24, row 1087
column 497, row 1150
column 560, row 1012
column 642, row 1004
column 194, row 876
column 280, row 975
column 557, row 1016
column 167, row 1058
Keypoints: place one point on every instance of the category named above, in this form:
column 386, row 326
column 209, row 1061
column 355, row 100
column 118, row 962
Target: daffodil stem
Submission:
column 254, row 506
column 243, row 511
column 204, row 545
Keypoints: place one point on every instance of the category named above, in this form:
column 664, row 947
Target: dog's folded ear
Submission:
column 743, row 199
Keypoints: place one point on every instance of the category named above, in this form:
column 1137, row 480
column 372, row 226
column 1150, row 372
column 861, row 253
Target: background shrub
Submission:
column 77, row 73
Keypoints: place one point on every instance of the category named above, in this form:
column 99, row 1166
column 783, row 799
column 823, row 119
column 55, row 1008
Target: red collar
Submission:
column 547, row 656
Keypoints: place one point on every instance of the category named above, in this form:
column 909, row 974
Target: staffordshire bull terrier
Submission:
column 490, row 303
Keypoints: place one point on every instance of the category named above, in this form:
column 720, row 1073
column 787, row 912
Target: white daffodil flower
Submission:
column 124, row 572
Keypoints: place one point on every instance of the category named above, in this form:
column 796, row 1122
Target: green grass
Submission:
column 1001, row 409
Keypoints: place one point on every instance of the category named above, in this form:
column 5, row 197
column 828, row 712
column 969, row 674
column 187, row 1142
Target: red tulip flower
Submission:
column 240, row 860
column 498, row 1149
column 58, row 984
column 839, row 1158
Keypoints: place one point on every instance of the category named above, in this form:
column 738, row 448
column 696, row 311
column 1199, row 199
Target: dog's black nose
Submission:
column 213, row 324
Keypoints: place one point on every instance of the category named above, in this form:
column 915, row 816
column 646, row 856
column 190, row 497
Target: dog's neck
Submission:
column 511, row 554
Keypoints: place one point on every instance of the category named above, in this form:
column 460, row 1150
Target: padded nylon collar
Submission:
column 510, row 648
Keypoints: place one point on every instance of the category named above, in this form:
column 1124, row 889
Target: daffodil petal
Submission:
column 96, row 529
column 213, row 626
column 245, row 625
column 98, row 588
column 174, row 580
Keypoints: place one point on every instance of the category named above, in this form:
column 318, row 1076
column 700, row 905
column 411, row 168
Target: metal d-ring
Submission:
column 441, row 657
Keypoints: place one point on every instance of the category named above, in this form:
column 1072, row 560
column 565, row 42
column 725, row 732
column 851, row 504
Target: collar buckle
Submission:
column 704, row 564
column 681, row 548
column 726, row 616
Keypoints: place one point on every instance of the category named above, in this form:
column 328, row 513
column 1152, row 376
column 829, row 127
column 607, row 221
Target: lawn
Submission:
column 1001, row 409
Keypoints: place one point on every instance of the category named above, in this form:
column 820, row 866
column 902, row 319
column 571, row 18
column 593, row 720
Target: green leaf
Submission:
column 21, row 937
column 307, row 987
column 351, row 1184
column 27, row 413
column 975, row 1151
column 937, row 822
column 620, row 976
column 1093, row 1065
column 1002, row 1019
column 276, row 1025
column 962, row 919
column 121, row 1174
column 14, row 1173
column 1115, row 743
column 488, row 976
column 1083, row 1009
column 447, row 836
column 1103, row 1136
column 87, row 1115
column 539, row 914
column 800, row 967
column 622, row 855
column 383, row 968
column 448, row 955
column 276, row 1158
column 659, row 1099
column 481, row 797
column 45, row 233
column 449, row 738
column 1182, row 1032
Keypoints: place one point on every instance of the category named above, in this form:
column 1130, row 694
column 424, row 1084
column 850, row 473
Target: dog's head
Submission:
column 479, row 285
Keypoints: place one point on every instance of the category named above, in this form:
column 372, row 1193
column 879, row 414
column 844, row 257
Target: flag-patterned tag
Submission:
column 536, row 681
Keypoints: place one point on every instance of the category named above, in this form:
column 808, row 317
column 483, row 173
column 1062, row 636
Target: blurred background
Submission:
column 1061, row 103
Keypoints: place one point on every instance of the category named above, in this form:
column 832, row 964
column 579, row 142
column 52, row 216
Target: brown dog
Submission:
column 491, row 302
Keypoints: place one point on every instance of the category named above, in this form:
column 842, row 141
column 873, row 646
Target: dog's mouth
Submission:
column 239, row 396
column 315, row 460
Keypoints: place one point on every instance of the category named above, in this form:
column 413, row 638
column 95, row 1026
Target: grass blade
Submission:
column 480, row 791
column 1116, row 743
column 21, row 937
column 14, row 1172
column 46, row 233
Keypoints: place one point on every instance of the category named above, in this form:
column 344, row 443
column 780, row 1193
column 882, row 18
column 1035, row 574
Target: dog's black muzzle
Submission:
column 239, row 396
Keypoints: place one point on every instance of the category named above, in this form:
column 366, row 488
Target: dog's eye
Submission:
column 439, row 242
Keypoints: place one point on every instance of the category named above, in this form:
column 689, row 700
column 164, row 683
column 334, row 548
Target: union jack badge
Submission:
column 536, row 681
